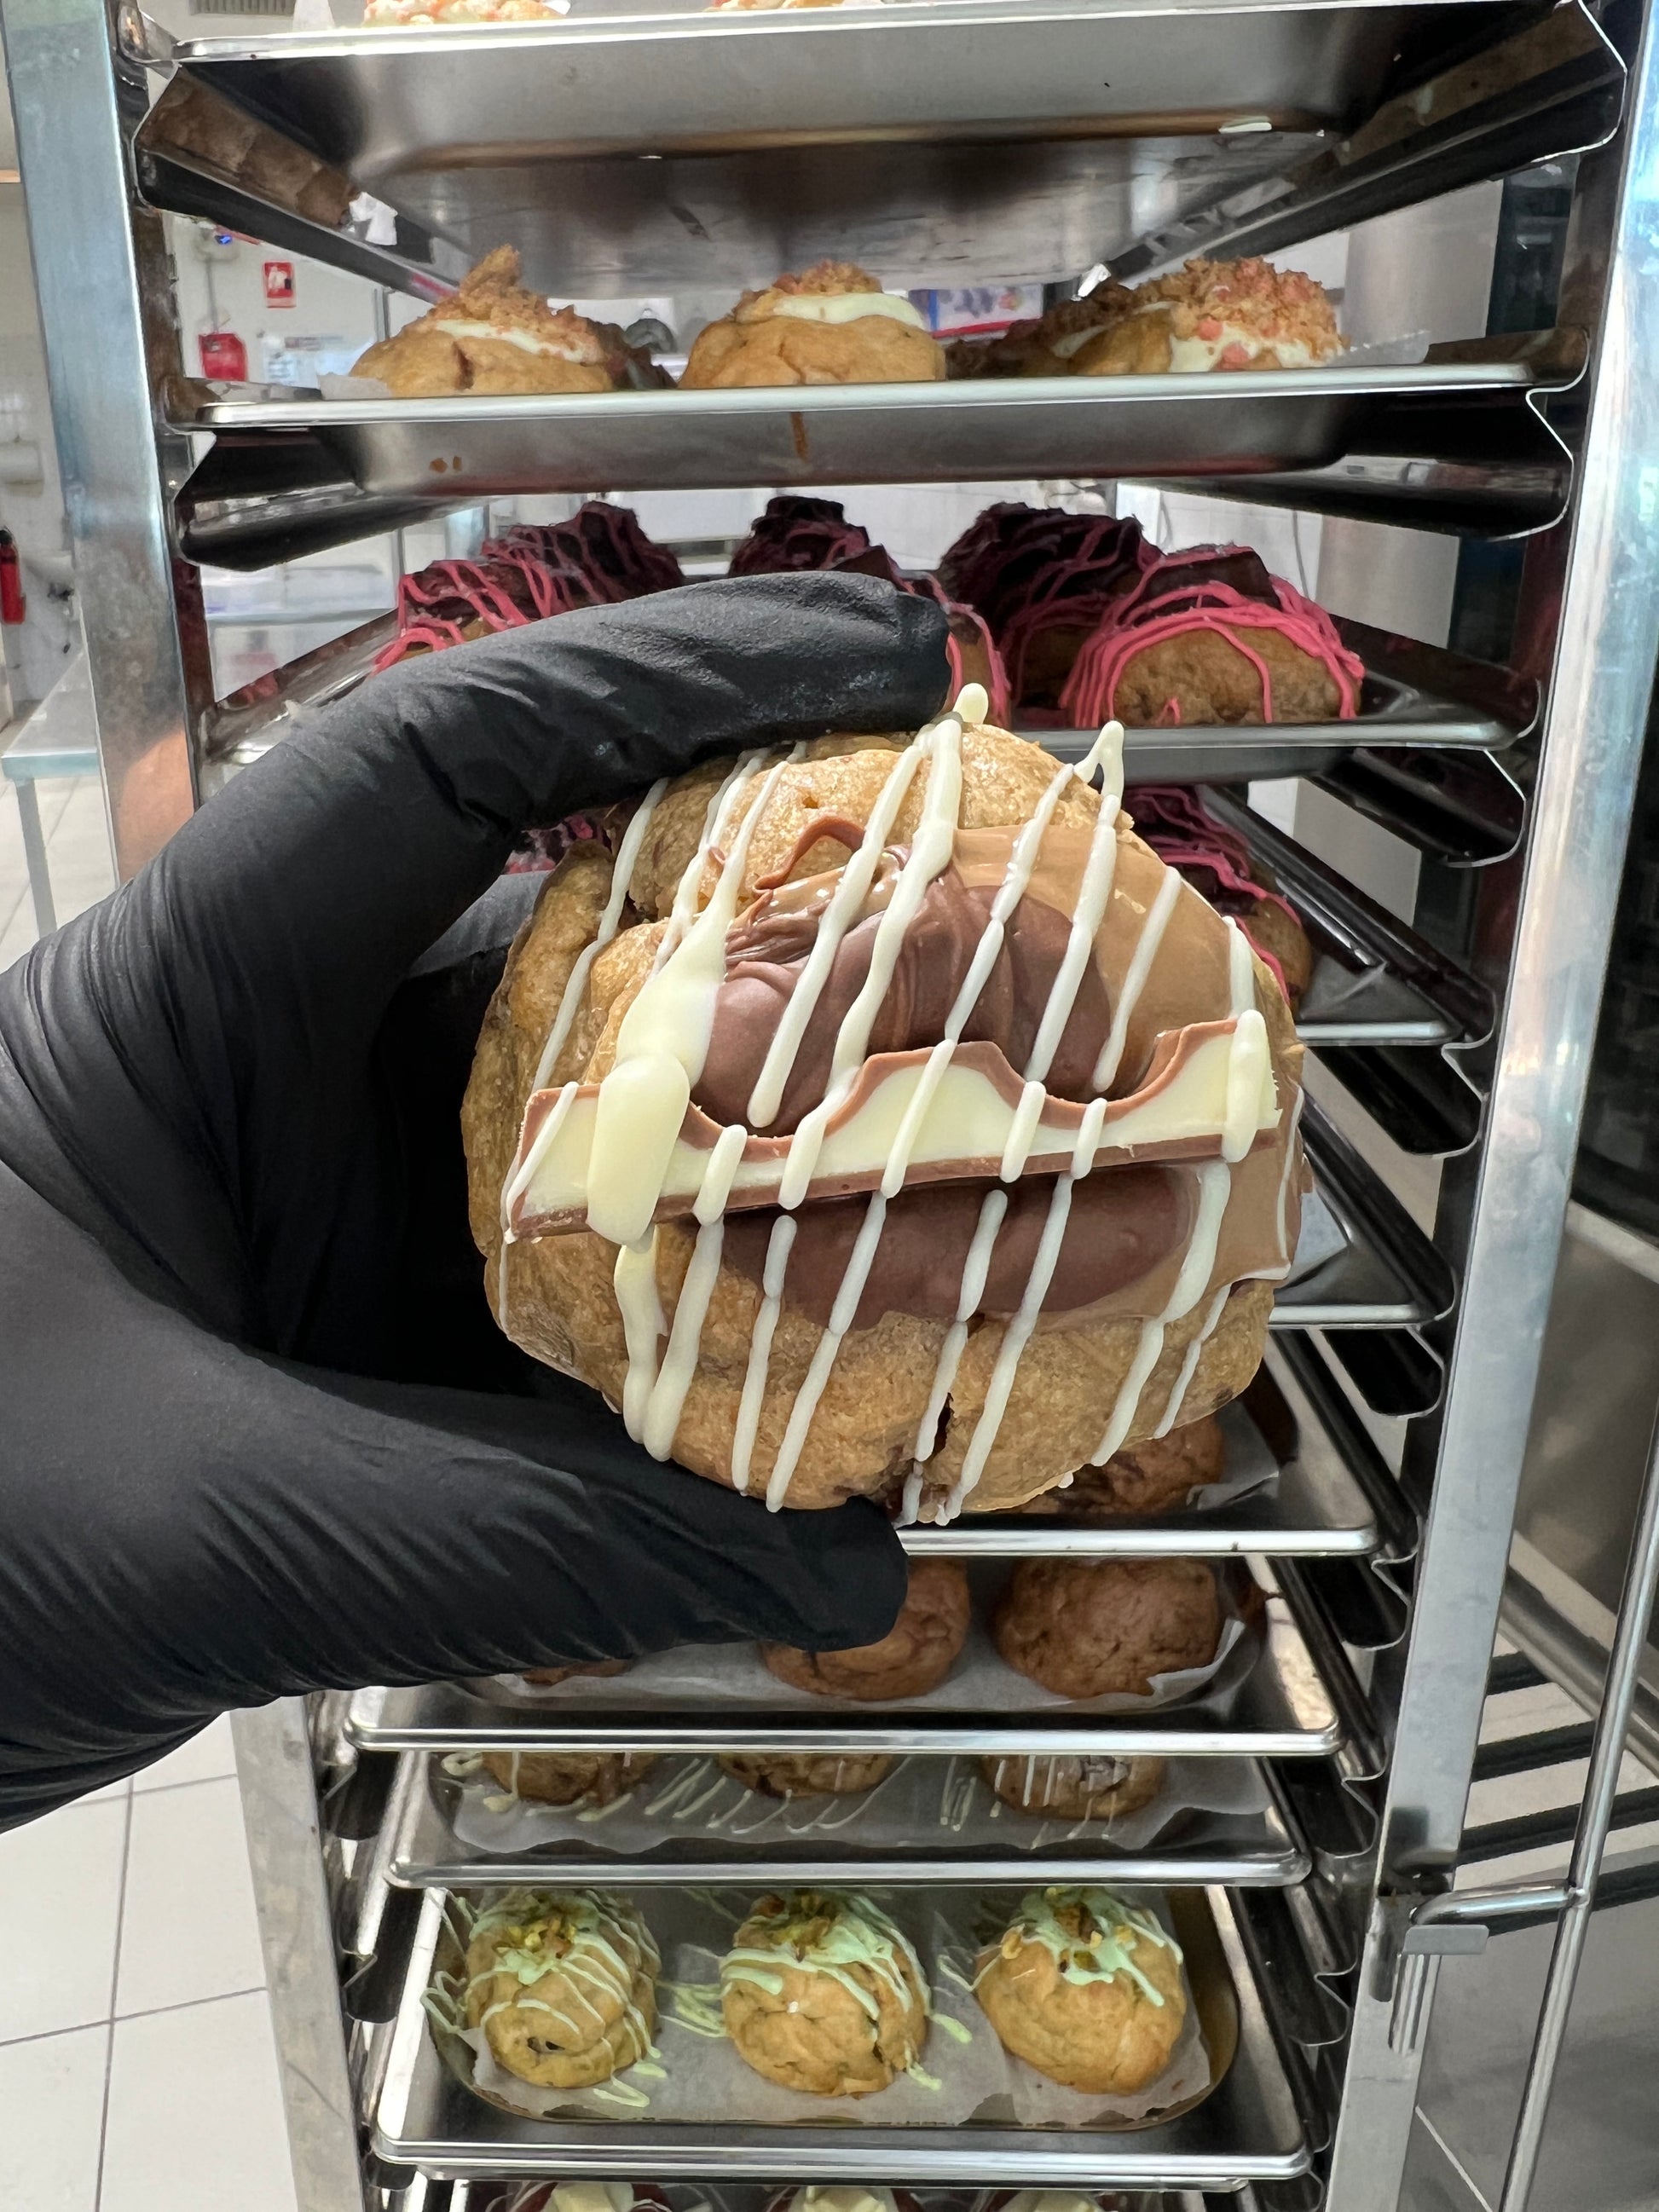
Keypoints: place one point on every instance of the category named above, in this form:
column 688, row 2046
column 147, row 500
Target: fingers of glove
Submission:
column 194, row 1051
column 189, row 1528
column 327, row 869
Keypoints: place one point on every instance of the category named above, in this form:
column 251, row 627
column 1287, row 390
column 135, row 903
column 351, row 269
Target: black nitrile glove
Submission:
column 257, row 1431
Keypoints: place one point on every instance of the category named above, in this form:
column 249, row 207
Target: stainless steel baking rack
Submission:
column 1258, row 1847
column 1247, row 2128
column 939, row 144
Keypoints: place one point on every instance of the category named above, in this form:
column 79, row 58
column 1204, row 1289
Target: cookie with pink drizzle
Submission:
column 1041, row 577
column 607, row 543
column 797, row 532
column 1208, row 636
column 1220, row 866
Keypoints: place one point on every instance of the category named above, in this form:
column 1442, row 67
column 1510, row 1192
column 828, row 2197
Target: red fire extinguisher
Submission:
column 13, row 605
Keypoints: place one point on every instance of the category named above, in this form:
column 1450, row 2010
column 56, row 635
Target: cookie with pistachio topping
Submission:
column 562, row 1985
column 823, row 1993
column 1086, row 1987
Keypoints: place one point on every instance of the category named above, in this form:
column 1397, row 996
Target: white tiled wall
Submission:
column 137, row 2072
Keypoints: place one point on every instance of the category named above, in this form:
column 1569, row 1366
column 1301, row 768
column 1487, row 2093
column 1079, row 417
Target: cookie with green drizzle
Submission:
column 1086, row 1988
column 823, row 1993
column 563, row 1986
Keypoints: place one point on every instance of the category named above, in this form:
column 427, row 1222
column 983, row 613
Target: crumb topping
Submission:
column 492, row 293
column 823, row 280
column 1272, row 305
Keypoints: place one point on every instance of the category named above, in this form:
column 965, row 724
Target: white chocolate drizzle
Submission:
column 621, row 875
column 760, row 1348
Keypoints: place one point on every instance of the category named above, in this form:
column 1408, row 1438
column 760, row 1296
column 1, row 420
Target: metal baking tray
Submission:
column 1256, row 1848
column 1246, row 2128
column 627, row 149
column 1281, row 1709
column 1317, row 1507
column 1244, row 423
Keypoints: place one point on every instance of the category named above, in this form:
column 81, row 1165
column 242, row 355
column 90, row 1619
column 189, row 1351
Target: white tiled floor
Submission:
column 136, row 2068
column 76, row 832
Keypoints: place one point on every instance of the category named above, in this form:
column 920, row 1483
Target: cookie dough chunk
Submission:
column 1086, row 1987
column 568, row 1778
column 562, row 1985
column 915, row 1657
column 1090, row 1628
column 1074, row 1788
column 807, row 1774
column 823, row 1993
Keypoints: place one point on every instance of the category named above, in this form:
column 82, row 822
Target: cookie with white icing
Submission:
column 568, row 1778
column 1086, row 1987
column 807, row 1774
column 1101, row 1787
column 875, row 1250
column 832, row 325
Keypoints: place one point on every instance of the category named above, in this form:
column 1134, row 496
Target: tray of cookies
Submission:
column 475, row 447
column 507, row 1818
column 1057, row 1659
column 974, row 2033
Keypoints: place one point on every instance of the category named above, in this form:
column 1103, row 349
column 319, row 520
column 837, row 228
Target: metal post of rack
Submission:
column 78, row 92
column 1593, row 730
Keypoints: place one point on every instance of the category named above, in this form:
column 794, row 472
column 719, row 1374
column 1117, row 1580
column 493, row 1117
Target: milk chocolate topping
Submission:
column 1122, row 1222
column 769, row 945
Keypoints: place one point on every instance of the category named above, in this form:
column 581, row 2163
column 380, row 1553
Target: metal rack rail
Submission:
column 1124, row 135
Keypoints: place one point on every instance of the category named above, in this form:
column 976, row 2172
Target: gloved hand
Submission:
column 259, row 1434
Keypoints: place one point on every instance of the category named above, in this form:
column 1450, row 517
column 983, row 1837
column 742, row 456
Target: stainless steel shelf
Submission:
column 1281, row 1710
column 1551, row 88
column 1388, row 1274
column 1247, row 2128
column 1258, row 1849
column 1248, row 422
column 771, row 139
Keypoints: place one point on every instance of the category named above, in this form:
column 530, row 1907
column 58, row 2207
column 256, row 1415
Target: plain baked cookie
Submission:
column 915, row 1657
column 1085, row 1987
column 1151, row 1478
column 1090, row 1628
column 832, row 325
column 564, row 1986
column 823, row 1993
